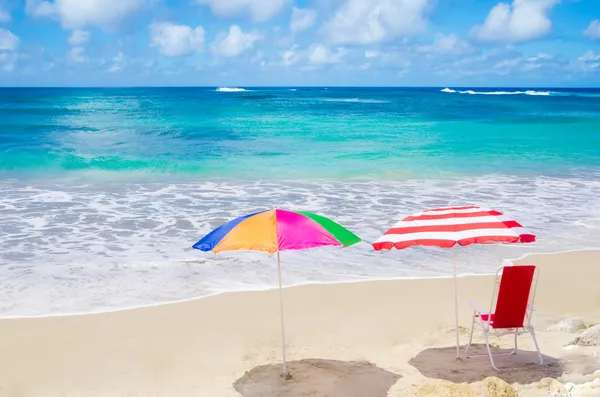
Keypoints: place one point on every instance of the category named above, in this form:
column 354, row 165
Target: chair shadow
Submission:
column 523, row 367
column 317, row 377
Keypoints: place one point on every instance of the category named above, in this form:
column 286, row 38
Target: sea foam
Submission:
column 74, row 248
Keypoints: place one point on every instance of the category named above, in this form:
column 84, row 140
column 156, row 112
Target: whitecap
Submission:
column 230, row 89
column 528, row 92
column 543, row 93
column 447, row 90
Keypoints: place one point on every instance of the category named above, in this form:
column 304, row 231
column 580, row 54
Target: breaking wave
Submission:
column 527, row 92
column 230, row 89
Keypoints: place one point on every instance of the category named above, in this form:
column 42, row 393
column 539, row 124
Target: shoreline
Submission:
column 156, row 176
column 291, row 286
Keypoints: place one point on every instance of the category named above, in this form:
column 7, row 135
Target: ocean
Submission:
column 105, row 190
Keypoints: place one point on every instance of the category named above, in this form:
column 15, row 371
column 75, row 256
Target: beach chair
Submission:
column 512, row 311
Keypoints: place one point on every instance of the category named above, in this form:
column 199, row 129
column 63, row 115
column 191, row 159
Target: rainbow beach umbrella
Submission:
column 274, row 231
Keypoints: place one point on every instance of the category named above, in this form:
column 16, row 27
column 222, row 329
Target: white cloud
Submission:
column 521, row 21
column 77, row 55
column 176, row 40
column 539, row 57
column 8, row 61
column 593, row 30
column 302, row 19
column 505, row 61
column 259, row 10
column 75, row 14
column 119, row 61
column 443, row 44
column 372, row 21
column 234, row 43
column 508, row 63
column 79, row 37
column 320, row 55
column 589, row 62
column 47, row 66
column 8, row 41
column 589, row 56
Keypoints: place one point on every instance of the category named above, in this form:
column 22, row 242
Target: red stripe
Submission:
column 453, row 215
column 468, row 207
column 453, row 228
column 387, row 245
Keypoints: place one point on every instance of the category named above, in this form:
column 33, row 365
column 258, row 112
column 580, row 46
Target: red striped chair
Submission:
column 510, row 312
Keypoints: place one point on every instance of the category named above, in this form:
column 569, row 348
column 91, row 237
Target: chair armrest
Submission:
column 476, row 307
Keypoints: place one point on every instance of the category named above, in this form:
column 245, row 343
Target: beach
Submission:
column 203, row 347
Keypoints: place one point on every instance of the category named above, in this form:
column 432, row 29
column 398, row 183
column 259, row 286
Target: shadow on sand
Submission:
column 523, row 367
column 317, row 377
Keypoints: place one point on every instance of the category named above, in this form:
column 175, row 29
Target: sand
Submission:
column 364, row 339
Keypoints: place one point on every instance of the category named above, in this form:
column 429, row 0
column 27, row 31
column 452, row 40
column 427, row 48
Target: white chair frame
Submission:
column 489, row 330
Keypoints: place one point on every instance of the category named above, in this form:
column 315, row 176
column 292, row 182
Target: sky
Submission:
column 453, row 43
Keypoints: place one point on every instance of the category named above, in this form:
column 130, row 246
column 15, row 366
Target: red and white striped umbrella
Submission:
column 449, row 226
column 446, row 227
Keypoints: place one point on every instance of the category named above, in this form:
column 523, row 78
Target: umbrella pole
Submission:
column 281, row 314
column 455, row 302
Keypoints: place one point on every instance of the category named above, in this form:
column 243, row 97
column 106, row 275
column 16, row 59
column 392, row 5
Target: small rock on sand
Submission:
column 496, row 387
column 589, row 337
column 574, row 324
column 445, row 389
column 554, row 387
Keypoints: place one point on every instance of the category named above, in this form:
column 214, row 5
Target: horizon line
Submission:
column 300, row 86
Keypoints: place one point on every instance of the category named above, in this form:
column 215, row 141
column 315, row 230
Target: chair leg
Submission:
column 487, row 344
column 532, row 332
column 470, row 337
column 516, row 334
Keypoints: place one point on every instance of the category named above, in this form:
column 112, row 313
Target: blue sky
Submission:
column 300, row 42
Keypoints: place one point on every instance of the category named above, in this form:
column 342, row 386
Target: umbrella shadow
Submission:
column 317, row 377
column 523, row 367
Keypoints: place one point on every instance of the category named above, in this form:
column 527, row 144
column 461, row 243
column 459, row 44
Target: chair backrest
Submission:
column 513, row 296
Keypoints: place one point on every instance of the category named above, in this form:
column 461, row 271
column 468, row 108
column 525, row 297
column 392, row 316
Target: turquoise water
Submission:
column 302, row 132
column 105, row 190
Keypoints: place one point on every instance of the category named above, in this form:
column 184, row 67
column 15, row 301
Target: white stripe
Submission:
column 449, row 211
column 451, row 236
column 454, row 221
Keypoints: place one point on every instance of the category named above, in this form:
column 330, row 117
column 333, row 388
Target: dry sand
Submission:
column 367, row 339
